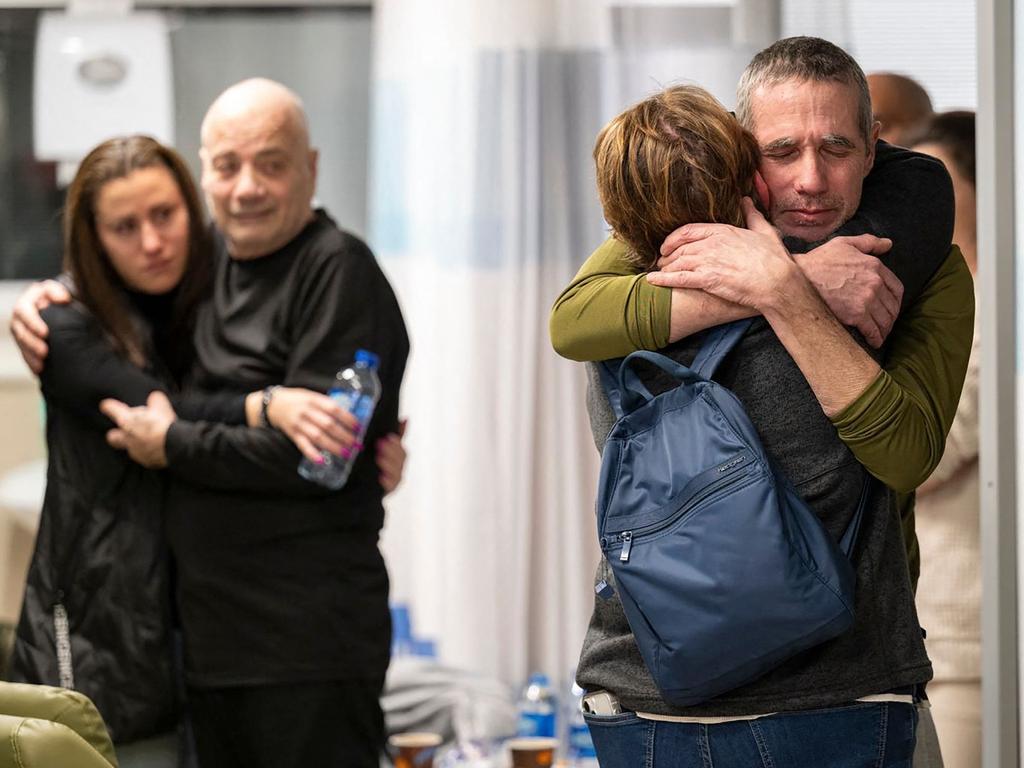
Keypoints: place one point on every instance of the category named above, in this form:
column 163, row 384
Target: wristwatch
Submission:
column 268, row 395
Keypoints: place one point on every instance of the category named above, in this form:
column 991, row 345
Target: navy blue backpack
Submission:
column 723, row 570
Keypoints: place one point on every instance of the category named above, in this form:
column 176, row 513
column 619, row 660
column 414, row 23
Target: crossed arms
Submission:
column 894, row 419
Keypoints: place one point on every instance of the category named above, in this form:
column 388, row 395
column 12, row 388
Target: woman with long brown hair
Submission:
column 97, row 613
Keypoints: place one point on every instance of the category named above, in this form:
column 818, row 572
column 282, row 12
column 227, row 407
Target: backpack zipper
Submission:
column 62, row 635
column 627, row 545
column 734, row 475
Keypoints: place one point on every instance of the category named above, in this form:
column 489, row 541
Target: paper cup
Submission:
column 414, row 749
column 532, row 752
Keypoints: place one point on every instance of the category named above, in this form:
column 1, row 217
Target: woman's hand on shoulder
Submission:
column 27, row 326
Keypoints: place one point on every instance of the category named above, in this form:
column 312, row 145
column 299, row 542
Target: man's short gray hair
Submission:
column 803, row 59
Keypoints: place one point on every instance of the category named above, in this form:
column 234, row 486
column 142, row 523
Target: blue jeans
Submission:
column 862, row 735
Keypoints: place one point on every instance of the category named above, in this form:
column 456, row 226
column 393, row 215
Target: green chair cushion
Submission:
column 28, row 742
column 58, row 705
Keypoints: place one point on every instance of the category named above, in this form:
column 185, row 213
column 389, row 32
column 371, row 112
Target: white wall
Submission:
column 932, row 41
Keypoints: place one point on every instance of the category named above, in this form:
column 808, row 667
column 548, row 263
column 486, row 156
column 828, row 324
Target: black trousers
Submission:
column 307, row 725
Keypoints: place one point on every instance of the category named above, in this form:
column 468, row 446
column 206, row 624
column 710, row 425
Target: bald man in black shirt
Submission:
column 282, row 589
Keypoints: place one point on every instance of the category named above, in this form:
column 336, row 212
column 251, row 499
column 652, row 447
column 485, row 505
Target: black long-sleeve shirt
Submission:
column 83, row 367
column 280, row 580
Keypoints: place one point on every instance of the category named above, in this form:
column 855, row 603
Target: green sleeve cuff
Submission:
column 889, row 434
column 861, row 417
column 878, row 431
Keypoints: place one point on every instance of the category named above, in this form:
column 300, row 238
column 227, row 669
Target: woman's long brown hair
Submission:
column 96, row 283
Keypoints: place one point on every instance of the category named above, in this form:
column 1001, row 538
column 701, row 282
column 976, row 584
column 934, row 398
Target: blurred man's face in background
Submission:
column 901, row 106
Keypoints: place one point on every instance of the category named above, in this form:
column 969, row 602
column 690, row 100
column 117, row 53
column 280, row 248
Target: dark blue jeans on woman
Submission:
column 861, row 735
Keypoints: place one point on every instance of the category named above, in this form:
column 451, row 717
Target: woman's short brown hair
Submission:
column 675, row 158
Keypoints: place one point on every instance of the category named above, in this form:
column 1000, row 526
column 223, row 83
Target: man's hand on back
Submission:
column 141, row 431
column 861, row 291
column 27, row 327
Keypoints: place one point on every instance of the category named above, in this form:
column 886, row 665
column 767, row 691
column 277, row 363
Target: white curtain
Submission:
column 482, row 207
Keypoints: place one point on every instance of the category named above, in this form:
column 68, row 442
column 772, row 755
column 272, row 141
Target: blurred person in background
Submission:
column 901, row 106
column 949, row 592
column 97, row 614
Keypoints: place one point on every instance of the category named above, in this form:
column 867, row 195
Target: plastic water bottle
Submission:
column 537, row 708
column 357, row 390
column 580, row 750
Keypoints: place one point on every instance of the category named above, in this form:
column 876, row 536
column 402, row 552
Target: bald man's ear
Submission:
column 314, row 163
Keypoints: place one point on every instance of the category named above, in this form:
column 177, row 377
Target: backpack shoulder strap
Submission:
column 718, row 342
column 849, row 540
column 608, row 371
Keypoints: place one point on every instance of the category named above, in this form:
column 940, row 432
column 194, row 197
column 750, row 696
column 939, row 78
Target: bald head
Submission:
column 259, row 172
column 256, row 97
column 900, row 104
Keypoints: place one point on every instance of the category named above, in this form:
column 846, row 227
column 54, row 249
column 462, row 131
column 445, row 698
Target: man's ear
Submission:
column 764, row 196
column 204, row 165
column 314, row 164
column 876, row 127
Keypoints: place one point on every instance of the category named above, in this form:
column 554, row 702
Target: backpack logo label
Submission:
column 730, row 464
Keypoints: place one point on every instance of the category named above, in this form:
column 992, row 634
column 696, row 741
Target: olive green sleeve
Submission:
column 897, row 427
column 609, row 309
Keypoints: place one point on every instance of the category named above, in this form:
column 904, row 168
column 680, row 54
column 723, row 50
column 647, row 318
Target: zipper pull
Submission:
column 603, row 589
column 627, row 544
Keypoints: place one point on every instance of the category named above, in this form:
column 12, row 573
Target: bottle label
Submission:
column 536, row 724
column 359, row 405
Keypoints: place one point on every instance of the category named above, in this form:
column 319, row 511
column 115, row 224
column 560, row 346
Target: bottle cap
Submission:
column 367, row 357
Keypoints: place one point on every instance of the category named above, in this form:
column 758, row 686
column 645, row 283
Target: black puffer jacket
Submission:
column 97, row 608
